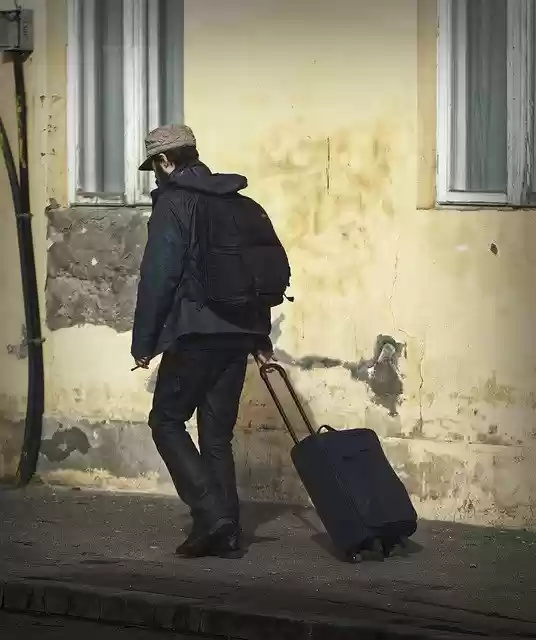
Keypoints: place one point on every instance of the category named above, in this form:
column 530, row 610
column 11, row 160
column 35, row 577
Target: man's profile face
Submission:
column 162, row 169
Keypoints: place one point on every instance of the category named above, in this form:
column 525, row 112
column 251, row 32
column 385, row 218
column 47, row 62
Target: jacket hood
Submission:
column 200, row 178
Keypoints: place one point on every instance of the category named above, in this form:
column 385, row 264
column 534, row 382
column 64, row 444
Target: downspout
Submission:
column 20, row 190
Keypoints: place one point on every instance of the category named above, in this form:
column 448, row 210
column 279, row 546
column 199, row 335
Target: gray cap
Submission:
column 171, row 136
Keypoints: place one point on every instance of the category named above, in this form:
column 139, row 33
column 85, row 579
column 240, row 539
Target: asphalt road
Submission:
column 16, row 627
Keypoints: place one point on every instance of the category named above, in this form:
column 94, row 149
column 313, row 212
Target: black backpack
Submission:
column 242, row 263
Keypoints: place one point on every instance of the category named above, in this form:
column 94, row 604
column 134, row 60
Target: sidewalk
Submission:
column 110, row 557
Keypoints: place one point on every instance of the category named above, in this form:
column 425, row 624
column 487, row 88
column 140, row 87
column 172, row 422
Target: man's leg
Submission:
column 216, row 418
column 182, row 382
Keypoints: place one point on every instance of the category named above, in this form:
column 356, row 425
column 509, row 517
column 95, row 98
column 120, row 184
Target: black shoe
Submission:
column 228, row 546
column 202, row 543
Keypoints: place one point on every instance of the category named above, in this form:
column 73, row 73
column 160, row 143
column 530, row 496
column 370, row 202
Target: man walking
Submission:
column 212, row 269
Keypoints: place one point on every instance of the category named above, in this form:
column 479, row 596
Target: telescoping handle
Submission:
column 271, row 367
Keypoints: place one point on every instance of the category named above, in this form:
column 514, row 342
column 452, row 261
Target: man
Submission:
column 204, row 352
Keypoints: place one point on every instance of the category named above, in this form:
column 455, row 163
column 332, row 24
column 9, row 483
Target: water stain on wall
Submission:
column 63, row 443
column 380, row 372
column 122, row 449
column 431, row 478
column 492, row 437
column 11, row 406
column 11, row 437
column 493, row 393
column 332, row 179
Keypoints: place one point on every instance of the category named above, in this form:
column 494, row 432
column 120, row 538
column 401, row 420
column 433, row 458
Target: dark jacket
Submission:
column 169, row 305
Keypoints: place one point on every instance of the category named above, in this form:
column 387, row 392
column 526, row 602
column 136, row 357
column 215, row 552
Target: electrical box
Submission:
column 16, row 30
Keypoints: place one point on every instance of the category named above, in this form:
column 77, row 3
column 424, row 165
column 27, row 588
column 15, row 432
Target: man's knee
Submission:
column 162, row 423
column 157, row 415
column 215, row 442
column 158, row 429
column 216, row 429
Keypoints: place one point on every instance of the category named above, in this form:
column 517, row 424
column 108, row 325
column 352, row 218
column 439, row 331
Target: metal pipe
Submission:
column 21, row 200
column 11, row 168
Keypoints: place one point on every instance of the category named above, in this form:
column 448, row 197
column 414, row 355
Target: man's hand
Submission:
column 142, row 363
column 263, row 357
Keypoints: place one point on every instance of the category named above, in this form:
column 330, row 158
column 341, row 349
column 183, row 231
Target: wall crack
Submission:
column 420, row 393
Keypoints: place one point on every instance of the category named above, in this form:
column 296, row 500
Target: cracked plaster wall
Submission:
column 93, row 266
column 350, row 185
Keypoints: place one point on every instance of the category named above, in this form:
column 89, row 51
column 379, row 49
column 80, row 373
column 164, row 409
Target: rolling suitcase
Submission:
column 361, row 501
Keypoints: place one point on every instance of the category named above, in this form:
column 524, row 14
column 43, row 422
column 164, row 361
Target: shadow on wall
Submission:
column 262, row 443
column 274, row 471
column 258, row 410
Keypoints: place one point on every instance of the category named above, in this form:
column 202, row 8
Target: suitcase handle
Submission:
column 325, row 427
column 270, row 367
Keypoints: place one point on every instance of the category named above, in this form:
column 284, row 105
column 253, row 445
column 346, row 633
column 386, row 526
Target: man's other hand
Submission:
column 142, row 363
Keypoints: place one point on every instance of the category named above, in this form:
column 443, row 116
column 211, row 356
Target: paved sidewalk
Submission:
column 14, row 626
column 110, row 557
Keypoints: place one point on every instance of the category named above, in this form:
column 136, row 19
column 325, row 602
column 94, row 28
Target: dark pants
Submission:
column 209, row 381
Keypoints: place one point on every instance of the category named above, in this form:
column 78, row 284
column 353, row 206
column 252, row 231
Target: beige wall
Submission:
column 330, row 111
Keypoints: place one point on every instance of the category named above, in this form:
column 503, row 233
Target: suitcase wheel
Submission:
column 377, row 549
column 371, row 549
column 354, row 557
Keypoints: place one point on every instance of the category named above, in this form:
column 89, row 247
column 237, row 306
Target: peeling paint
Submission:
column 439, row 477
column 20, row 351
column 429, row 479
column 102, row 479
column 492, row 437
column 380, row 372
column 495, row 394
column 63, row 443
column 93, row 267
column 121, row 456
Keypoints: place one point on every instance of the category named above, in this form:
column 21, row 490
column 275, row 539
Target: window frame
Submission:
column 139, row 26
column 521, row 78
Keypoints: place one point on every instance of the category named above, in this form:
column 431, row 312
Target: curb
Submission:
column 182, row 615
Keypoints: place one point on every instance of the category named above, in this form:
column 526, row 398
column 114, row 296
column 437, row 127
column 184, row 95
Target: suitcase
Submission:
column 361, row 501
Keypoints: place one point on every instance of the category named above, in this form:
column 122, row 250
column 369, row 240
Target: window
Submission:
column 125, row 77
column 486, row 92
